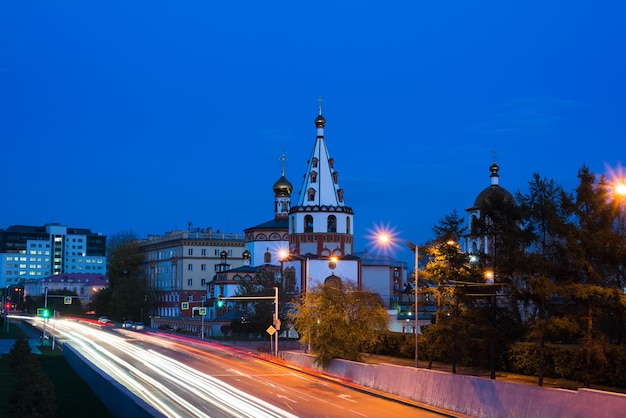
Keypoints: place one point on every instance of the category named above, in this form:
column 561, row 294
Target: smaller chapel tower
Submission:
column 282, row 193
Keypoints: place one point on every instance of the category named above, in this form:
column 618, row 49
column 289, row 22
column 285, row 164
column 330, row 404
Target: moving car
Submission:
column 127, row 324
column 103, row 319
column 138, row 326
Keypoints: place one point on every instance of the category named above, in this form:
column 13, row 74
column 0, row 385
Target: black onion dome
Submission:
column 283, row 187
column 494, row 193
column 320, row 121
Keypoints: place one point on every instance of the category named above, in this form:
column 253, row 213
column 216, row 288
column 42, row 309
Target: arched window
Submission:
column 308, row 223
column 313, row 177
column 267, row 257
column 331, row 224
column 335, row 177
column 340, row 195
column 311, row 194
column 347, row 225
column 315, row 161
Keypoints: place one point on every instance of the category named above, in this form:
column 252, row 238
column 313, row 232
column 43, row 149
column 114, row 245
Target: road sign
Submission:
column 271, row 330
column 202, row 311
column 184, row 306
column 67, row 300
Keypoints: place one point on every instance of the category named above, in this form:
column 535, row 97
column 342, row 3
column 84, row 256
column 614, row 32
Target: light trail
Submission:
column 161, row 373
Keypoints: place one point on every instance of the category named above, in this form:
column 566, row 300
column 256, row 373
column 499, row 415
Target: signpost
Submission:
column 276, row 322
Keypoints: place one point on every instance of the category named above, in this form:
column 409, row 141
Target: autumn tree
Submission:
column 338, row 320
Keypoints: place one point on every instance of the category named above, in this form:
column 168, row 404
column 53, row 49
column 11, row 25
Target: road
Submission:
column 184, row 377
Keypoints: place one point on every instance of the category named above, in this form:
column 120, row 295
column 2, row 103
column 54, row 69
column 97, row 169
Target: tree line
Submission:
column 555, row 304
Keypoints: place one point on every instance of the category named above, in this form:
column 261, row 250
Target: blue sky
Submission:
column 143, row 116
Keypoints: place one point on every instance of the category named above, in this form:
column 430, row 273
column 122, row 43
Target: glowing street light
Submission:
column 414, row 247
column 384, row 238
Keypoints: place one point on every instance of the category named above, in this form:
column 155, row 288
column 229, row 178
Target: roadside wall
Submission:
column 471, row 395
column 119, row 401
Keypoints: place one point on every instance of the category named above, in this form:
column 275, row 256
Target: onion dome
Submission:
column 494, row 192
column 283, row 187
column 320, row 121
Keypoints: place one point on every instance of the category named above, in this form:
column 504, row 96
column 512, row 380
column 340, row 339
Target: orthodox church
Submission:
column 313, row 240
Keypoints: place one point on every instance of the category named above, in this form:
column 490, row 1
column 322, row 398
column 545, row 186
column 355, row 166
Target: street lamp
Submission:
column 414, row 247
column 286, row 255
column 385, row 238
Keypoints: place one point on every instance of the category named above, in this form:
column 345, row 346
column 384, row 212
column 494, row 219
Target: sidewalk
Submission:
column 31, row 333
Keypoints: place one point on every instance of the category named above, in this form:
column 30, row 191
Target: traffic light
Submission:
column 220, row 302
column 43, row 312
column 7, row 306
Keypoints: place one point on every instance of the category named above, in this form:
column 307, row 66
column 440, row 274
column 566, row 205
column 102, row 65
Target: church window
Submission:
column 331, row 163
column 340, row 195
column 348, row 225
column 335, row 177
column 311, row 194
column 308, row 223
column 313, row 177
column 315, row 161
column 267, row 257
column 331, row 224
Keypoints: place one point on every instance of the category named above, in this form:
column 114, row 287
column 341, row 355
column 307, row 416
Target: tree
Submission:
column 260, row 314
column 129, row 294
column 32, row 392
column 339, row 320
column 545, row 217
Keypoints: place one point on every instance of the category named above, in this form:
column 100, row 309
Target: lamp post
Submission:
column 490, row 277
column 286, row 255
column 414, row 247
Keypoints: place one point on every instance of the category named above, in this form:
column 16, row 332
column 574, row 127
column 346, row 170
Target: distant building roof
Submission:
column 86, row 278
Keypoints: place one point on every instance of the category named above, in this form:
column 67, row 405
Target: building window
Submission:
column 315, row 161
column 202, row 267
column 313, row 177
column 190, row 251
column 203, row 251
column 311, row 195
column 189, row 282
column 308, row 223
column 189, row 267
column 331, row 224
column 203, row 282
column 335, row 177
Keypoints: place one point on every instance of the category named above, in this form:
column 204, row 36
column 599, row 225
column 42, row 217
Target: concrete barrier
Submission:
column 120, row 401
column 471, row 395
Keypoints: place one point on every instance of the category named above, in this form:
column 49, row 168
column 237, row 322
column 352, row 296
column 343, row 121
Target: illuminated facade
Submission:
column 33, row 252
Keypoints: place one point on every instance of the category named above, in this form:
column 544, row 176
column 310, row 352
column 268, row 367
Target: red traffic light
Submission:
column 7, row 306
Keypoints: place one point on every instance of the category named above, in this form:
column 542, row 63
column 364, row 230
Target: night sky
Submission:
column 146, row 115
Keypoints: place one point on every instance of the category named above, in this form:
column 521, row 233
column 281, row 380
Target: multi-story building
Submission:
column 30, row 253
column 180, row 264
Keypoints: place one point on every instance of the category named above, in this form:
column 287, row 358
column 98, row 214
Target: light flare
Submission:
column 384, row 238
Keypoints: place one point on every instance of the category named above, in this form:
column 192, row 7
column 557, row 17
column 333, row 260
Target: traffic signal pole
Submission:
column 276, row 321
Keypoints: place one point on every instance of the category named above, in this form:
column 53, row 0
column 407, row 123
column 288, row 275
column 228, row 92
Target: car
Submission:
column 138, row 326
column 127, row 324
column 103, row 319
